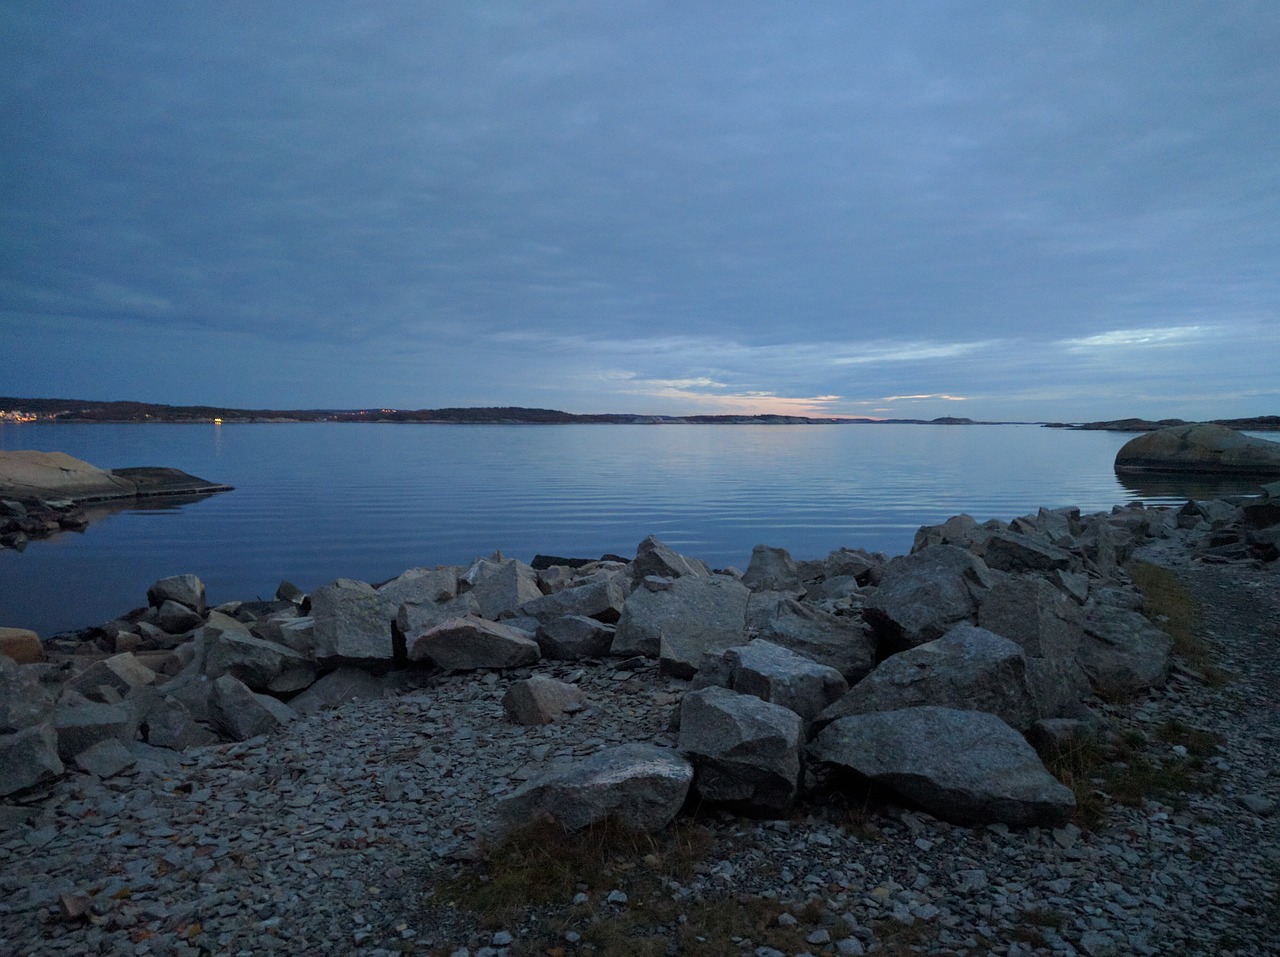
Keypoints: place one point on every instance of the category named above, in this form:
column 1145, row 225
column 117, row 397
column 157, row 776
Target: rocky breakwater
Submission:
column 44, row 492
column 498, row 695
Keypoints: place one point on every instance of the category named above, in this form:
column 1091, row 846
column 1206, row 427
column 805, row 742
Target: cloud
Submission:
column 1152, row 337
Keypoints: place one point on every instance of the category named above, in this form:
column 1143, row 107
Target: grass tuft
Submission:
column 1169, row 603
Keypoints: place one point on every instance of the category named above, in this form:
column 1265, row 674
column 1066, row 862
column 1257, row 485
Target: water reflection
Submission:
column 1176, row 487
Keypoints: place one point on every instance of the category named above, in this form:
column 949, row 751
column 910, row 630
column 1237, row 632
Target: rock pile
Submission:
column 944, row 658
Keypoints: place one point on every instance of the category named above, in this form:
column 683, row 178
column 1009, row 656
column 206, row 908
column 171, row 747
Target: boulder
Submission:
column 500, row 588
column 422, row 586
column 28, row 758
column 655, row 558
column 923, row 594
column 959, row 530
column 28, row 694
column 601, row 597
column 1199, row 449
column 1010, row 552
column 640, row 786
column 168, row 724
column 540, row 699
column 1049, row 627
column 968, row 668
column 837, row 641
column 22, row 645
column 464, row 644
column 744, row 751
column 1122, row 652
column 186, row 590
column 336, row 689
column 968, row 767
column 856, row 563
column 119, row 675
column 352, row 621
column 105, row 759
column 241, row 714
column 772, row 569
column 573, row 637
column 262, row 665
column 414, row 619
column 81, row 726
column 680, row 619
column 774, row 674
column 177, row 619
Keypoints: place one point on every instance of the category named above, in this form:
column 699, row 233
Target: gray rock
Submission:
column 923, row 594
column 1122, row 652
column 81, row 726
column 1009, row 552
column 745, row 751
column 853, row 562
column 573, row 637
column 690, row 615
column 422, row 586
column 839, row 642
column 352, row 621
column 336, row 689
column 168, row 724
column 1199, row 448
column 241, row 714
column 641, row 786
column 772, row 569
column 120, row 674
column 176, row 619
column 262, row 665
column 1049, row 627
column 968, row 668
column 655, row 558
column 499, row 589
column 774, row 674
column 27, row 758
column 464, row 644
column 540, row 699
column 186, row 590
column 27, row 695
column 105, row 759
column 413, row 620
column 968, row 767
column 959, row 530
column 601, row 598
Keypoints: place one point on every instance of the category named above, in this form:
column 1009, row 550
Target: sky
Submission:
column 1007, row 211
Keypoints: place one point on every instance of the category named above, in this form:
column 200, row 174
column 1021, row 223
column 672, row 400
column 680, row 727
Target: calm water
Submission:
column 317, row 501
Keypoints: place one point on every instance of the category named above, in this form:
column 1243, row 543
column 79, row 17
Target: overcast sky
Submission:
column 1024, row 211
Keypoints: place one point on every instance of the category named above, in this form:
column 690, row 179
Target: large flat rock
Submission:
column 28, row 474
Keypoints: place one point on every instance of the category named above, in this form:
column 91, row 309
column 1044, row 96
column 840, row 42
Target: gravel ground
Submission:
column 327, row 839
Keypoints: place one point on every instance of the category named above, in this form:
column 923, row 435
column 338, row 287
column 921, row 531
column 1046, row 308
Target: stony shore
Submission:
column 347, row 830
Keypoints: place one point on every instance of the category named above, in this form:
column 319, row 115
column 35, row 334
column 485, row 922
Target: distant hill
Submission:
column 84, row 410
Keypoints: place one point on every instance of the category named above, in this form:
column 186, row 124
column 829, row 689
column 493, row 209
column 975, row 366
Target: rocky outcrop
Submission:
column 1213, row 449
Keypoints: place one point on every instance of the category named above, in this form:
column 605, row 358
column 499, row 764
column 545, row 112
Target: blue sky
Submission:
column 1028, row 211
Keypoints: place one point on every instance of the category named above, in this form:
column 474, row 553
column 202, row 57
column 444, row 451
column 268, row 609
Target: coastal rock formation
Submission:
column 1027, row 644
column 1199, row 448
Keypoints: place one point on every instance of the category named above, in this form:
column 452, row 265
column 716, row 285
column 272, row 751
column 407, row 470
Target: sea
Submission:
column 318, row 501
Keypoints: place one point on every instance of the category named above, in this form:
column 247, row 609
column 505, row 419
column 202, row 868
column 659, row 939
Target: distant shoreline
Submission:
column 19, row 410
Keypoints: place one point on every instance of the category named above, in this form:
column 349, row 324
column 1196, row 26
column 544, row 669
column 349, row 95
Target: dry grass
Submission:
column 1171, row 605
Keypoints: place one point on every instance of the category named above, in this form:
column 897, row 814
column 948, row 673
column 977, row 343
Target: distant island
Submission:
column 15, row 409
column 1258, row 423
